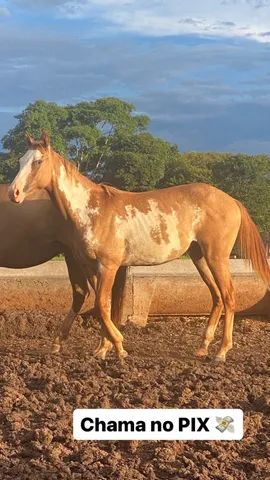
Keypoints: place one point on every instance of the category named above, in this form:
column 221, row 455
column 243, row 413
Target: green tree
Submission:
column 92, row 127
column 84, row 132
column 247, row 178
column 137, row 162
column 8, row 167
column 37, row 116
column 108, row 139
column 132, row 171
column 115, row 116
column 82, row 145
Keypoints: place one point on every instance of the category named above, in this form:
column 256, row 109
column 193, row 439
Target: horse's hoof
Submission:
column 100, row 353
column 121, row 358
column 55, row 348
column 123, row 354
column 201, row 352
column 219, row 359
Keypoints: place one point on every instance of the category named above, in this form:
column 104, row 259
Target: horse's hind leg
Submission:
column 199, row 261
column 219, row 267
column 80, row 291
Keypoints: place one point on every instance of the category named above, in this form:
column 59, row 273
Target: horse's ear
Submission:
column 45, row 139
column 29, row 139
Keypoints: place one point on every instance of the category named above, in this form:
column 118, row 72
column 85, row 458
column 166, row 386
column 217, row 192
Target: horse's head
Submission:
column 35, row 171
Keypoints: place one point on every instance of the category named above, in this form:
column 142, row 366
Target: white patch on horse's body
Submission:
column 145, row 240
column 78, row 198
column 196, row 218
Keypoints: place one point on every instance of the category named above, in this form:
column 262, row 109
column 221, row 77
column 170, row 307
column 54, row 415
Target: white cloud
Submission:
column 226, row 18
column 233, row 18
column 76, row 9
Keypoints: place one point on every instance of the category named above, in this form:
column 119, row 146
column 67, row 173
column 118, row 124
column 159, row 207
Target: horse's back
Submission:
column 157, row 226
column 200, row 193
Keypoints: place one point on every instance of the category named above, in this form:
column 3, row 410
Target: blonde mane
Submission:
column 109, row 189
column 72, row 170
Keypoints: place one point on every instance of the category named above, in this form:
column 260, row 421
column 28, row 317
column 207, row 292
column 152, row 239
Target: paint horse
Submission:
column 35, row 232
column 110, row 228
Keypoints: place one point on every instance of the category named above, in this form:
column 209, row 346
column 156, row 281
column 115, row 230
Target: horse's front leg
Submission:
column 105, row 344
column 110, row 333
column 80, row 291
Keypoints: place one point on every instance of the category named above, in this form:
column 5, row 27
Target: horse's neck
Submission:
column 72, row 192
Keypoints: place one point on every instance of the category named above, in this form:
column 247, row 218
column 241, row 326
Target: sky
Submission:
column 198, row 68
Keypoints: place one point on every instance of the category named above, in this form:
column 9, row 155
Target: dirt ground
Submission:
column 39, row 393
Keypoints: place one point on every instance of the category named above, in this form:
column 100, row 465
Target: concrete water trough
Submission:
column 174, row 288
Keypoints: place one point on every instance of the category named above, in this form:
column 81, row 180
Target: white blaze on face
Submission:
column 151, row 237
column 78, row 198
column 26, row 163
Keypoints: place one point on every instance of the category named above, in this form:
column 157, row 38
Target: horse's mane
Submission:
column 69, row 166
column 73, row 170
column 108, row 189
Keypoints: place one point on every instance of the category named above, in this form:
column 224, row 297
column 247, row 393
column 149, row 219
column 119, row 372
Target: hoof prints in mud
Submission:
column 39, row 393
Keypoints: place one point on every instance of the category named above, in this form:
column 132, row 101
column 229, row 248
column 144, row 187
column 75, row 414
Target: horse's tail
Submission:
column 252, row 246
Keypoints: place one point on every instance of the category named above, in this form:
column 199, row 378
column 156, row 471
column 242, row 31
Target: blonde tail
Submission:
column 252, row 246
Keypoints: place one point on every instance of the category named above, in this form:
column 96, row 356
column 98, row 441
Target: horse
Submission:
column 35, row 232
column 110, row 228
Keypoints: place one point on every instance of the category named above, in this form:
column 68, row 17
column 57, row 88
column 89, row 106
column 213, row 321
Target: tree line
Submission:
column 110, row 142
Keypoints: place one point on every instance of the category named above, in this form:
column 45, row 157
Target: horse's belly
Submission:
column 140, row 253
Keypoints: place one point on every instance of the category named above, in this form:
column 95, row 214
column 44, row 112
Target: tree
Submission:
column 107, row 139
column 116, row 121
column 8, row 167
column 84, row 132
column 247, row 178
column 137, row 162
column 37, row 116
column 82, row 145
column 92, row 126
column 115, row 116
column 132, row 171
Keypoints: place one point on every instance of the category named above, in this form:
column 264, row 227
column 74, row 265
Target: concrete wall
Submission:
column 174, row 288
column 55, row 268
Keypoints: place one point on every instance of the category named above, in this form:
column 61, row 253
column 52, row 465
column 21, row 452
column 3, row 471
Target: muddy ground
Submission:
column 39, row 392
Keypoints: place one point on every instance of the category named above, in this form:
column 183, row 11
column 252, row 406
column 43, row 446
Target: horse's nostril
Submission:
column 13, row 194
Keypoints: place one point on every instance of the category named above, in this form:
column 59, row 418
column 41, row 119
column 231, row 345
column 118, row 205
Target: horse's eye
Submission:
column 37, row 162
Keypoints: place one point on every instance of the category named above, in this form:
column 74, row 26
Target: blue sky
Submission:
column 199, row 69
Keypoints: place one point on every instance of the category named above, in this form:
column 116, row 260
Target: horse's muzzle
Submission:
column 14, row 194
